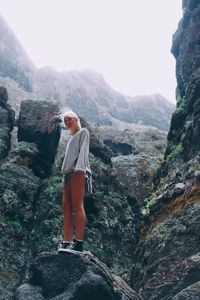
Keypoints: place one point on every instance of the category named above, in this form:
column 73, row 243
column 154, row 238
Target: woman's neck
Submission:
column 75, row 130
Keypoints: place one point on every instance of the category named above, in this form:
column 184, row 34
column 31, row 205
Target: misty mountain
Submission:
column 14, row 62
column 86, row 92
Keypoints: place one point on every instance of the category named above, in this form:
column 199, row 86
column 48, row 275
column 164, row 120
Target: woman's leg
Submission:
column 67, row 212
column 77, row 196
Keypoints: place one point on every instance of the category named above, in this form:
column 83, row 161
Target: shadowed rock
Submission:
column 7, row 116
column 38, row 124
column 78, row 277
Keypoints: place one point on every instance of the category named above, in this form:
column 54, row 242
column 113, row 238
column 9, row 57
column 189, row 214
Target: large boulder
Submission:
column 18, row 192
column 77, row 277
column 136, row 155
column 39, row 124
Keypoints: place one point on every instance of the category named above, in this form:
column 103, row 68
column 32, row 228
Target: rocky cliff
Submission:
column 158, row 253
column 31, row 219
column 167, row 257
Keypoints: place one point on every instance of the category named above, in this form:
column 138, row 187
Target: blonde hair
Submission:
column 72, row 114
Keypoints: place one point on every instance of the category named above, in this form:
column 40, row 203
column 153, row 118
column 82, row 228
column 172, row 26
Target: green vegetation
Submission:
column 15, row 223
column 147, row 203
column 46, row 241
column 152, row 167
column 175, row 150
column 181, row 101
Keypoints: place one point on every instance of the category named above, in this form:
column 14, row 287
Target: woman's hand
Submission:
column 66, row 171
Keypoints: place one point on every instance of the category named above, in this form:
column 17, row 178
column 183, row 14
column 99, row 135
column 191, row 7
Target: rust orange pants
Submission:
column 73, row 207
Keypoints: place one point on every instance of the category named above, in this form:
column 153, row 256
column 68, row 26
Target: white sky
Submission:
column 127, row 41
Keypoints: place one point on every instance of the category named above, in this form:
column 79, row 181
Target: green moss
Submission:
column 152, row 168
column 15, row 223
column 177, row 149
column 46, row 241
column 147, row 204
column 181, row 101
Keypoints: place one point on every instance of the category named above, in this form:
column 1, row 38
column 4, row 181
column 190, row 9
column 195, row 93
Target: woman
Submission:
column 75, row 168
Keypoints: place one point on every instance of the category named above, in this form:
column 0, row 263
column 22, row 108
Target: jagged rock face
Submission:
column 7, row 116
column 31, row 209
column 38, row 124
column 167, row 261
column 69, row 276
column 135, row 170
column 18, row 190
column 97, row 147
column 185, row 126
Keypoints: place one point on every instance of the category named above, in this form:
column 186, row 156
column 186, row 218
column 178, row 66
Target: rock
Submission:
column 69, row 276
column 167, row 258
column 25, row 154
column 28, row 292
column 38, row 124
column 96, row 145
column 134, row 171
column 7, row 116
column 192, row 292
column 5, row 138
column 18, row 190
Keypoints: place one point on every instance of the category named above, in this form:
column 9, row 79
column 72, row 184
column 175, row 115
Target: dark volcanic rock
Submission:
column 18, row 190
column 29, row 292
column 191, row 292
column 7, row 116
column 186, row 49
column 167, row 260
column 38, row 124
column 136, row 156
column 97, row 147
column 77, row 277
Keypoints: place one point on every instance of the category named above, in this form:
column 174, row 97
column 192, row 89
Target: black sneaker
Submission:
column 63, row 246
column 75, row 247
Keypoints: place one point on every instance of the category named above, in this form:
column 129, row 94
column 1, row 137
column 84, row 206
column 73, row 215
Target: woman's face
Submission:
column 70, row 122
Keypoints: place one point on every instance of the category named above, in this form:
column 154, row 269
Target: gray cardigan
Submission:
column 77, row 152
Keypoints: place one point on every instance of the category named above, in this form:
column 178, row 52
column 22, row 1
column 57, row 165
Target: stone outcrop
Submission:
column 18, row 190
column 39, row 124
column 7, row 116
column 167, row 261
column 69, row 276
column 136, row 156
column 31, row 208
column 18, row 197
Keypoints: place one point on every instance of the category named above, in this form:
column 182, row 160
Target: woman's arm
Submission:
column 83, row 156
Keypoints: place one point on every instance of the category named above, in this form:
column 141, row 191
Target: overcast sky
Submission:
column 127, row 41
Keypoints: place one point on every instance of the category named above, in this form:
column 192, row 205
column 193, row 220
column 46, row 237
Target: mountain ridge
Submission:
column 85, row 91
